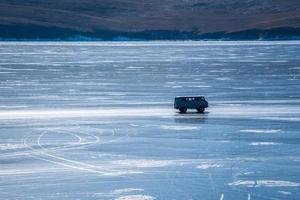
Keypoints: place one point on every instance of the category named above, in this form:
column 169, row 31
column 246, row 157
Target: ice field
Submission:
column 95, row 120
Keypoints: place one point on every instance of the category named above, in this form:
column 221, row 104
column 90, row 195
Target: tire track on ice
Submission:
column 42, row 153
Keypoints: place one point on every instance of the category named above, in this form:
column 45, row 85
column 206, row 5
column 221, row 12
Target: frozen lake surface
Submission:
column 96, row 120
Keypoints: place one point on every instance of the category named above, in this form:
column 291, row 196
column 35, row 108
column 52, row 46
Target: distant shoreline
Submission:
column 137, row 41
column 41, row 33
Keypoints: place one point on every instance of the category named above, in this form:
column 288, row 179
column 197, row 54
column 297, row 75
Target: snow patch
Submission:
column 207, row 166
column 126, row 190
column 74, row 113
column 284, row 192
column 135, row 67
column 142, row 163
column 118, row 192
column 179, row 128
column 11, row 146
column 121, row 173
column 177, row 86
column 263, row 143
column 265, row 183
column 136, row 197
column 224, row 79
column 133, row 125
column 200, row 86
column 260, row 131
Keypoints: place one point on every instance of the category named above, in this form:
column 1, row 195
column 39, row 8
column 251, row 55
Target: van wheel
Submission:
column 182, row 110
column 200, row 110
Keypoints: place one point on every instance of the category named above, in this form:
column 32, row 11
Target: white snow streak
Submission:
column 179, row 128
column 207, row 166
column 136, row 197
column 126, row 190
column 11, row 146
column 260, row 131
column 263, row 143
column 143, row 163
column 71, row 113
column 265, row 183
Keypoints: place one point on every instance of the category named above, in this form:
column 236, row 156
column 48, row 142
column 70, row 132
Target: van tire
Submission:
column 182, row 110
column 200, row 110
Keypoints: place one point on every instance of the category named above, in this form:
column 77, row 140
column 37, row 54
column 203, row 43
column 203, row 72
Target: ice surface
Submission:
column 95, row 120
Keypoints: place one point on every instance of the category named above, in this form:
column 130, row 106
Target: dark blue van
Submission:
column 182, row 103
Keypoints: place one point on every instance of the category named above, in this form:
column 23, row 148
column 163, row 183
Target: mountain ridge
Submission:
column 170, row 19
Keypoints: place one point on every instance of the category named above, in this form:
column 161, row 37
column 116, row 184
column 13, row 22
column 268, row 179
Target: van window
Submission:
column 190, row 99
